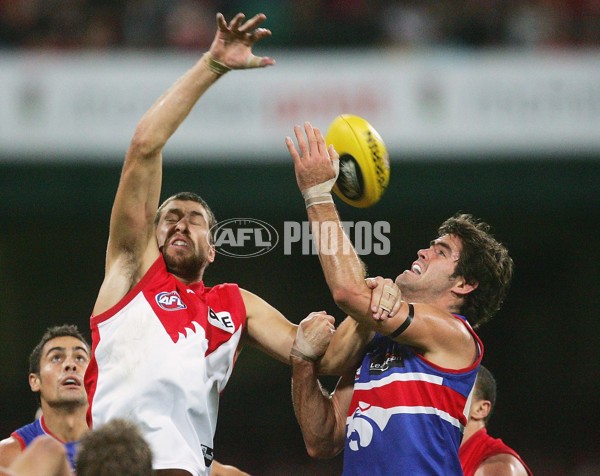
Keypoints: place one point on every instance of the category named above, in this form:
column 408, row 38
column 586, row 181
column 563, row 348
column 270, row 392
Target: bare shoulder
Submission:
column 441, row 337
column 10, row 448
column 501, row 465
column 437, row 325
column 44, row 455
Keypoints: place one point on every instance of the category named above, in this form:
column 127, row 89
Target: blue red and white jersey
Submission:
column 160, row 358
column 407, row 415
column 26, row 434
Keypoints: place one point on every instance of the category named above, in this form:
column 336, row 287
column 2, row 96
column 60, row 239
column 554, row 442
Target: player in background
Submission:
column 479, row 453
column 56, row 372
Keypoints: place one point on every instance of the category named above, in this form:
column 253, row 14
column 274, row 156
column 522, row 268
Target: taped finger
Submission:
column 386, row 303
column 253, row 61
column 389, row 292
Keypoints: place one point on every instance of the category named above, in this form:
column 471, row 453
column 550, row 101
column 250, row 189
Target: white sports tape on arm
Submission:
column 321, row 193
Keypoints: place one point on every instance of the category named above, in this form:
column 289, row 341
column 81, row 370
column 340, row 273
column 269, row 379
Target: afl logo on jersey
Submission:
column 170, row 301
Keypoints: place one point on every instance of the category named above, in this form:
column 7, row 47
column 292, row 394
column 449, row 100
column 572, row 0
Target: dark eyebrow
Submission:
column 63, row 349
column 58, row 349
column 180, row 212
column 173, row 210
column 78, row 347
column 442, row 244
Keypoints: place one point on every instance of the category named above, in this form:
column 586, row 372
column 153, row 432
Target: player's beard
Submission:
column 188, row 267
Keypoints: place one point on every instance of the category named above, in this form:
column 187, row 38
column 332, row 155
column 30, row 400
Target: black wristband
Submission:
column 405, row 324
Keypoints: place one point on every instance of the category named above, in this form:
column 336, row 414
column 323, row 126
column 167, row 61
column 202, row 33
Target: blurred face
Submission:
column 429, row 277
column 183, row 234
column 62, row 368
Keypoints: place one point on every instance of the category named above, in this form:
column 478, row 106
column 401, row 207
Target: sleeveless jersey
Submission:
column 26, row 434
column 160, row 358
column 407, row 415
column 480, row 447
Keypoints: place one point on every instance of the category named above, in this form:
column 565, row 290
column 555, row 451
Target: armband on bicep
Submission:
column 405, row 324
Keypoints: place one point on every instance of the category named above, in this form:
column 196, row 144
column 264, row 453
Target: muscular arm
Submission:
column 321, row 416
column 132, row 246
column 269, row 331
column 346, row 349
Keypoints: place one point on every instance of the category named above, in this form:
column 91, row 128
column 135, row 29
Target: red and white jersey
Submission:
column 161, row 357
column 481, row 446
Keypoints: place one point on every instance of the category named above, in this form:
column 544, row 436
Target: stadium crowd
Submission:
column 188, row 24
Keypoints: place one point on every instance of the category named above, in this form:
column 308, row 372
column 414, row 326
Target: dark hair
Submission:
column 483, row 261
column 187, row 197
column 66, row 330
column 115, row 448
column 485, row 389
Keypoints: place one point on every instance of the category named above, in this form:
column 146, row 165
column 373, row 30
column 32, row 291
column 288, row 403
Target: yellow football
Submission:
column 364, row 161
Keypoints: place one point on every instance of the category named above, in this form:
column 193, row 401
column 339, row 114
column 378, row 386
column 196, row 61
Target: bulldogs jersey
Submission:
column 160, row 358
column 26, row 434
column 480, row 447
column 407, row 415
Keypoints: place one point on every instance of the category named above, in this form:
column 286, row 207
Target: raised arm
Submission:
column 316, row 168
column 132, row 245
column 431, row 329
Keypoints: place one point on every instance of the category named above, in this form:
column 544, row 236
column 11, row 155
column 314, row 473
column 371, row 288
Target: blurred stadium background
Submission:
column 488, row 106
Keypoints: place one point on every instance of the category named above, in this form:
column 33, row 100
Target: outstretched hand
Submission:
column 314, row 162
column 232, row 45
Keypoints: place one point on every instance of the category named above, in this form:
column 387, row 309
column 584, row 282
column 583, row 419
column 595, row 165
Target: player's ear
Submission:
column 211, row 253
column 34, row 382
column 480, row 409
column 462, row 287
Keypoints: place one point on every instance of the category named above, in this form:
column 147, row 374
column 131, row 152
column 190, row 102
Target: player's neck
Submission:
column 444, row 302
column 187, row 275
column 472, row 427
column 66, row 424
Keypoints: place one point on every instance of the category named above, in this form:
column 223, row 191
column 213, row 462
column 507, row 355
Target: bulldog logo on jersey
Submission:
column 170, row 301
column 222, row 320
column 365, row 419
